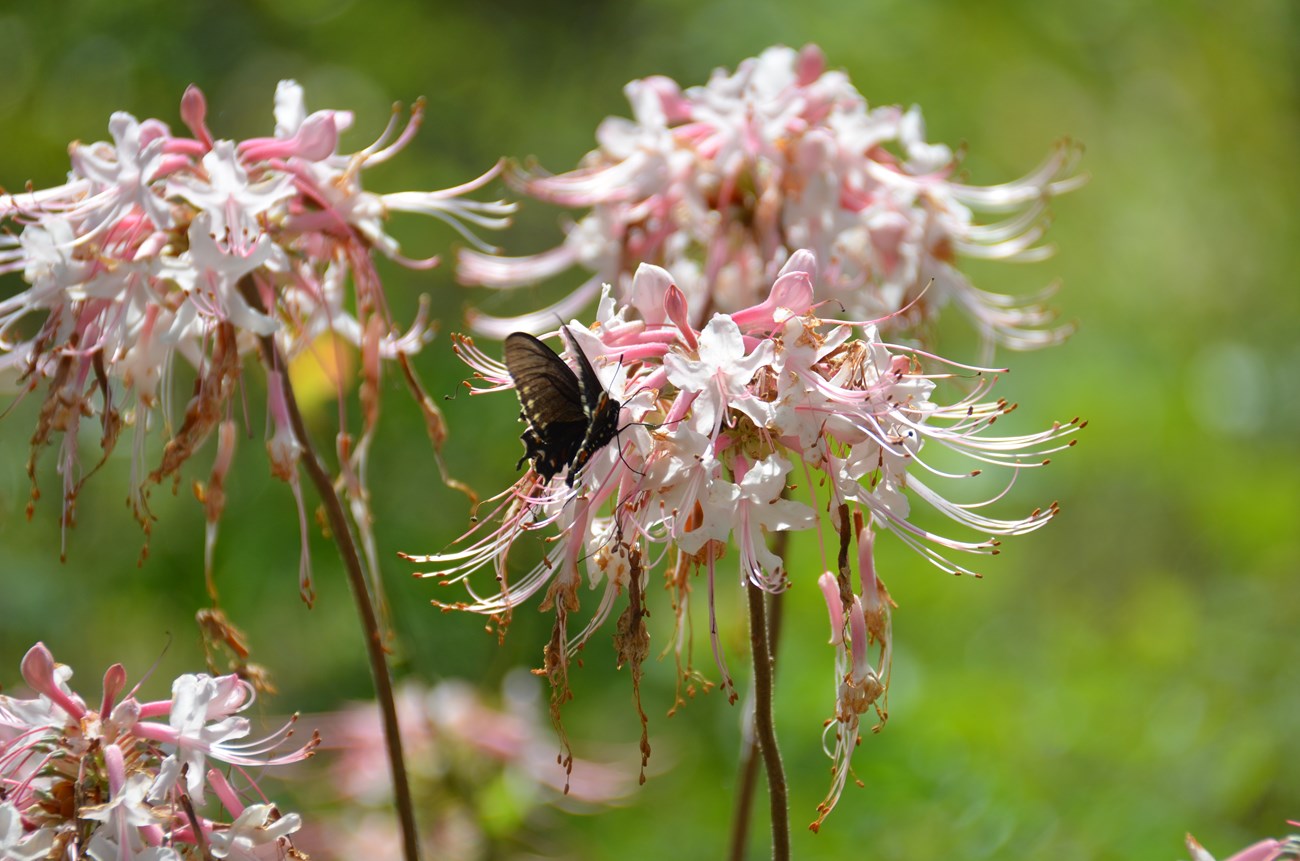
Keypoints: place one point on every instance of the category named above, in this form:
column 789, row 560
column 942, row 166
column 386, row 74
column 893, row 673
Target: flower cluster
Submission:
column 719, row 426
column 720, row 183
column 163, row 245
column 117, row 782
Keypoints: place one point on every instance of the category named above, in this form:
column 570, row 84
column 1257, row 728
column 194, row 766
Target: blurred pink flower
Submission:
column 464, row 753
column 451, row 726
column 721, row 183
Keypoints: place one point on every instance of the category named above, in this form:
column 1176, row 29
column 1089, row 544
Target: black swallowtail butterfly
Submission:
column 570, row 416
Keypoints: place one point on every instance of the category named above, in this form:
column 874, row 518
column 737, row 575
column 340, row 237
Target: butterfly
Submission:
column 570, row 416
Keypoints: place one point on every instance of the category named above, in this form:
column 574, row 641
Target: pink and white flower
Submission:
column 105, row 782
column 740, row 412
column 721, row 183
column 163, row 245
column 1269, row 849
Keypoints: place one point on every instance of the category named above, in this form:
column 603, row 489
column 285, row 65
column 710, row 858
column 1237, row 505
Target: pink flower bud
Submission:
column 834, row 606
column 677, row 311
column 194, row 111
column 38, row 671
column 114, row 681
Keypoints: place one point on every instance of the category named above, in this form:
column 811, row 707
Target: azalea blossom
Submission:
column 766, row 420
column 113, row 782
column 163, row 246
column 721, row 183
column 1269, row 849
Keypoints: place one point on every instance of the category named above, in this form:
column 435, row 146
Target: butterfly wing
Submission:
column 589, row 388
column 599, row 409
column 548, row 388
column 552, row 403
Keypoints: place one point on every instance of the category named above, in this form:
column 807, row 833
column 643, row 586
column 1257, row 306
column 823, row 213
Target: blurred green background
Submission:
column 1128, row 674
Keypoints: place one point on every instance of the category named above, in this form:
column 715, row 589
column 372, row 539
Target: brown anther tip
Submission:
column 975, row 472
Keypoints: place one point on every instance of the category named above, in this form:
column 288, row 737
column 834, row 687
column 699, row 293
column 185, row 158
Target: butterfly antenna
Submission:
column 618, row 431
column 620, row 454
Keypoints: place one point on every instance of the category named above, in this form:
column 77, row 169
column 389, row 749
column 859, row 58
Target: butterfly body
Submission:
column 570, row 416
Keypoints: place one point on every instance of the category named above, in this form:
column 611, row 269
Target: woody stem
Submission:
column 747, row 779
column 761, row 644
column 341, row 531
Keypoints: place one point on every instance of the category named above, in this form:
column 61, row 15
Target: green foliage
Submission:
column 1126, row 675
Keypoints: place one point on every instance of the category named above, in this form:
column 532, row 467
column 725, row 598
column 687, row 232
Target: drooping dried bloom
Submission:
column 740, row 413
column 162, row 246
column 721, row 183
column 117, row 782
